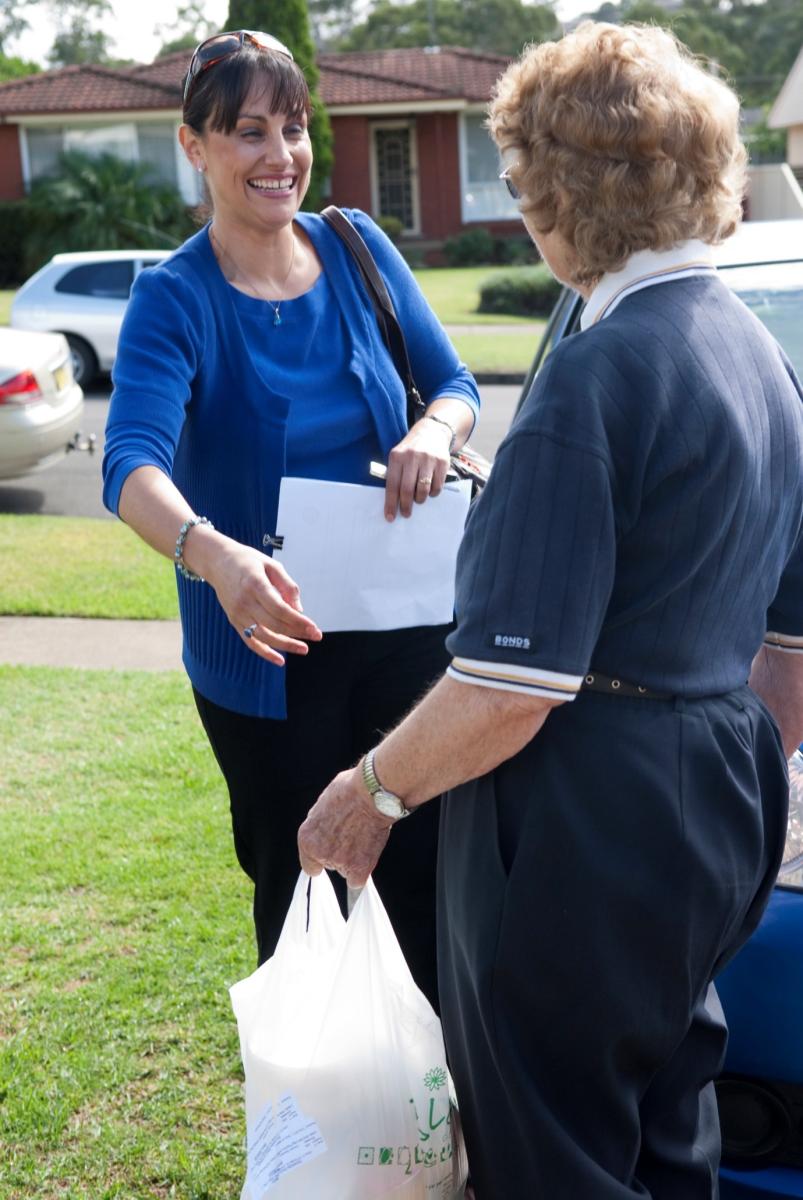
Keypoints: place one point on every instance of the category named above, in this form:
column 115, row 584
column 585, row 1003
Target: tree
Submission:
column 769, row 35
column 503, row 26
column 701, row 26
column 12, row 22
column 102, row 203
column 753, row 43
column 189, row 27
column 79, row 39
column 288, row 21
column 77, row 44
column 331, row 20
column 16, row 68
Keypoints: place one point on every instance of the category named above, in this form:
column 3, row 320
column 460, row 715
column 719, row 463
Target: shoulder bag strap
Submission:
column 389, row 324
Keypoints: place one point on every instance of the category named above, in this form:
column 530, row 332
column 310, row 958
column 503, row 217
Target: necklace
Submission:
column 277, row 317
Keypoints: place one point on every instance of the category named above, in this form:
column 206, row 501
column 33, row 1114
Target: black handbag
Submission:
column 466, row 463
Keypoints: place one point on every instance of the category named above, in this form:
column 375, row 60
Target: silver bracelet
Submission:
column 178, row 556
column 446, row 425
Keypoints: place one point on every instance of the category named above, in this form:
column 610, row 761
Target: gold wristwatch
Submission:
column 386, row 802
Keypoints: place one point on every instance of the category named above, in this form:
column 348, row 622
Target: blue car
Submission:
column 761, row 1089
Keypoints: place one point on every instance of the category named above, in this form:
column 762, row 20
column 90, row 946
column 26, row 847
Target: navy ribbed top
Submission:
column 644, row 513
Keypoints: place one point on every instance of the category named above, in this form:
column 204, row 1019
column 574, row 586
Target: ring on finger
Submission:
column 250, row 631
column 425, row 480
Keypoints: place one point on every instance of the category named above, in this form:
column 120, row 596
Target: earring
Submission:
column 200, row 167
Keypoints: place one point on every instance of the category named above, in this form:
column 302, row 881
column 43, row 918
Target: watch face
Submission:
column 389, row 805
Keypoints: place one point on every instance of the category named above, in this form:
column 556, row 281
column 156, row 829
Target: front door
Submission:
column 395, row 174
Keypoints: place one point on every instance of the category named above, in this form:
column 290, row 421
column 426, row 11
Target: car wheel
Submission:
column 84, row 362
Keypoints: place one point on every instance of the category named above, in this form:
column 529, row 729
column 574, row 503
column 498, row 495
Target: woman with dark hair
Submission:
column 251, row 354
column 617, row 811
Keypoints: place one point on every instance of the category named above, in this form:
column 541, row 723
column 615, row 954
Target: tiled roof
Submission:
column 359, row 78
column 441, row 72
column 86, row 88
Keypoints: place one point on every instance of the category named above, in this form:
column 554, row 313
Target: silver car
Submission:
column 83, row 295
column 40, row 402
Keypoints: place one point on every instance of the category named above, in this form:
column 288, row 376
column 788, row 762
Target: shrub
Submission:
column 473, row 248
column 392, row 226
column 102, row 204
column 517, row 252
column 414, row 256
column 14, row 226
column 527, row 292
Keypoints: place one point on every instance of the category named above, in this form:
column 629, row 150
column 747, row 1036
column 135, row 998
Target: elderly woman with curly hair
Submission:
column 618, row 795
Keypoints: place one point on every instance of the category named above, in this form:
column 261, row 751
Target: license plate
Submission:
column 62, row 377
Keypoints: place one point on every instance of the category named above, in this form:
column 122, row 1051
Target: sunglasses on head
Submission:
column 222, row 45
column 509, row 184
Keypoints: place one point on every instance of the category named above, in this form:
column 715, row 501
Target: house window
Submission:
column 96, row 140
column 45, row 147
column 157, row 150
column 151, row 143
column 395, row 174
column 484, row 198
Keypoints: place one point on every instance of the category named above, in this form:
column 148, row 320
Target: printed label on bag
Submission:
column 279, row 1141
column 433, row 1155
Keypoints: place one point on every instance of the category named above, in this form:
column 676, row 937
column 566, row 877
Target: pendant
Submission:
column 277, row 320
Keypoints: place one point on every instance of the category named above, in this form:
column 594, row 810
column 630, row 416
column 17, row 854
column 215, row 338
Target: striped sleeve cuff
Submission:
column 784, row 641
column 510, row 677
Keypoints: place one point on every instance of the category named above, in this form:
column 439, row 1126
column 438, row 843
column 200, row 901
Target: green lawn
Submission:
column 498, row 351
column 81, row 567
column 454, row 294
column 5, row 306
column 123, row 920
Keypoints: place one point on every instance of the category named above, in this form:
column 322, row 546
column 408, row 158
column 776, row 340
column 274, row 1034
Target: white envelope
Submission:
column 358, row 571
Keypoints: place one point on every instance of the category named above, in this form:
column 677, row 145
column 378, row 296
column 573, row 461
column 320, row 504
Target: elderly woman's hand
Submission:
column 417, row 467
column 343, row 830
column 261, row 601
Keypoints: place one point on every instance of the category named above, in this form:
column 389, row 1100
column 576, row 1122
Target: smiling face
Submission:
column 259, row 172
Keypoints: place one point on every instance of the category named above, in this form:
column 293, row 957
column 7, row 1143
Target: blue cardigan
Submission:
column 188, row 399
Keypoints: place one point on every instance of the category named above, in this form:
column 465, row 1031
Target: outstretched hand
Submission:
column 258, row 595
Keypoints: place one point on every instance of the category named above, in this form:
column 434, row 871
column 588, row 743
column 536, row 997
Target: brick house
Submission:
column 407, row 124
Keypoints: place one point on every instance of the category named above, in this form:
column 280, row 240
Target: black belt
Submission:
column 595, row 682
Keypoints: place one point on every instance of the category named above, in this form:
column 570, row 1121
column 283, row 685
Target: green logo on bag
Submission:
column 434, row 1079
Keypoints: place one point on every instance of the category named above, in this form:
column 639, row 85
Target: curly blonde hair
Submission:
column 621, row 141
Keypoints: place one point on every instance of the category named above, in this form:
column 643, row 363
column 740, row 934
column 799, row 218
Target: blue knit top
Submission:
column 323, row 441
column 192, row 398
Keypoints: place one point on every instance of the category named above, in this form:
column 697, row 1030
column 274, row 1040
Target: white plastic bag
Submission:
column 347, row 1093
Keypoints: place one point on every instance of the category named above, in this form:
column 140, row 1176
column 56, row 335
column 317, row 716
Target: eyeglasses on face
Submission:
column 509, row 184
column 222, row 45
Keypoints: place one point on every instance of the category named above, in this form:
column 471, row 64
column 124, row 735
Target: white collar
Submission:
column 644, row 269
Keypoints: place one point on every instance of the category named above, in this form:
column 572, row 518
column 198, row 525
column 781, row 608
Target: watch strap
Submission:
column 380, row 794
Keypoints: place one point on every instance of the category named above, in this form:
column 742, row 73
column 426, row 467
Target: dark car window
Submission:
column 106, row 280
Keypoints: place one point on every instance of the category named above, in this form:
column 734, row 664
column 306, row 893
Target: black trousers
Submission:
column 349, row 690
column 591, row 888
